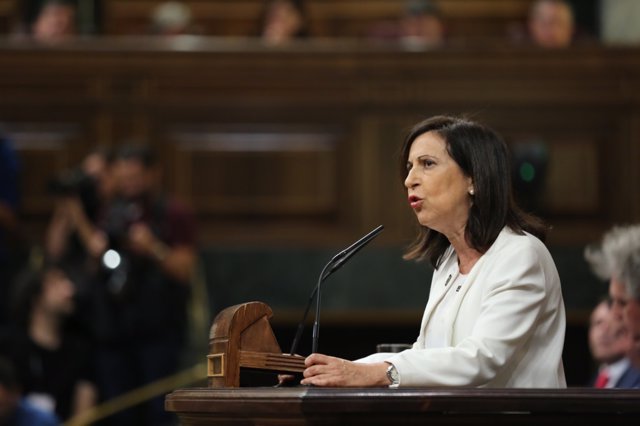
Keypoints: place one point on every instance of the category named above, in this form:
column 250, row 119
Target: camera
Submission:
column 76, row 183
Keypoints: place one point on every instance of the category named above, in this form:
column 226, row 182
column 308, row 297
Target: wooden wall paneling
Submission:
column 365, row 96
column 267, row 83
column 634, row 154
column 122, row 107
column 253, row 174
column 383, row 195
column 44, row 88
column 623, row 162
column 279, row 182
column 573, row 177
column 7, row 10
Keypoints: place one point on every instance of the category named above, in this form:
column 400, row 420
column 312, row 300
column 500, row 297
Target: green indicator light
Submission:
column 527, row 172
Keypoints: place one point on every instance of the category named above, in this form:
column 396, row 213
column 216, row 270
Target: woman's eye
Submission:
column 427, row 163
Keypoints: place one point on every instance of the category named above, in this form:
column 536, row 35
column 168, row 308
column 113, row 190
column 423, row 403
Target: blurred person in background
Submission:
column 141, row 317
column 81, row 196
column 9, row 198
column 53, row 365
column 55, row 22
column 630, row 277
column 551, row 24
column 283, row 20
column 14, row 409
column 617, row 260
column 420, row 26
column 172, row 18
column 609, row 342
column 73, row 238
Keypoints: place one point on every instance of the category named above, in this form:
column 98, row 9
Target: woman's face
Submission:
column 55, row 22
column 58, row 293
column 283, row 21
column 438, row 190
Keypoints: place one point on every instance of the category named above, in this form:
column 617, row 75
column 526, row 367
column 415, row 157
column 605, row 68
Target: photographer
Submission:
column 141, row 315
column 81, row 196
column 73, row 238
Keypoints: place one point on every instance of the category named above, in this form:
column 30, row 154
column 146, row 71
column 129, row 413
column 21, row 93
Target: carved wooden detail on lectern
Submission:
column 241, row 337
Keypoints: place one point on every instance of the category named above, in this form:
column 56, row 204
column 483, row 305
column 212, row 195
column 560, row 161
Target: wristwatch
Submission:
column 393, row 376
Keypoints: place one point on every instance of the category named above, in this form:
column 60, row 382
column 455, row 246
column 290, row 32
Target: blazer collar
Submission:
column 443, row 281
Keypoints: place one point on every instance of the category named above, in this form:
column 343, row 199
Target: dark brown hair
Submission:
column 482, row 155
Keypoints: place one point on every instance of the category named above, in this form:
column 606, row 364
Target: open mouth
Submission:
column 415, row 201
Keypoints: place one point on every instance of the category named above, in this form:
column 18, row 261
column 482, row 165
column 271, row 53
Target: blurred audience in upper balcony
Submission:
column 55, row 22
column 551, row 24
column 172, row 18
column 420, row 26
column 283, row 20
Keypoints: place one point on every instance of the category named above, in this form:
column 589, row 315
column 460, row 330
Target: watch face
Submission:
column 392, row 374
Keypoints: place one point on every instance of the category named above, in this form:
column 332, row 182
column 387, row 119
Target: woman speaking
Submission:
column 495, row 315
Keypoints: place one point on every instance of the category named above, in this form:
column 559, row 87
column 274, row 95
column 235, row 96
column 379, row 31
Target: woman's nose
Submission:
column 410, row 180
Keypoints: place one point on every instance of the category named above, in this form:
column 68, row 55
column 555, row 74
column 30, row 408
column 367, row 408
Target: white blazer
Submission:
column 505, row 326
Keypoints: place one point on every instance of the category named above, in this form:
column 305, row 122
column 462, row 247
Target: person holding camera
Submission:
column 81, row 195
column 73, row 238
column 141, row 315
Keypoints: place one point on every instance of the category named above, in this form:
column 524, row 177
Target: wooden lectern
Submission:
column 241, row 337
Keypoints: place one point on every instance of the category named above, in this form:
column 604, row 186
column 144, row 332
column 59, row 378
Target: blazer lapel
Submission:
column 440, row 286
column 461, row 291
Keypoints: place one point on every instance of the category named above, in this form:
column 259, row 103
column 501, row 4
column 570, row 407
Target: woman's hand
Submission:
column 323, row 370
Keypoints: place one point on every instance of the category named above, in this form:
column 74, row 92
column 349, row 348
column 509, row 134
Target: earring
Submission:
column 471, row 191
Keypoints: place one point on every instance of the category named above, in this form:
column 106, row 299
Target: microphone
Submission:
column 332, row 266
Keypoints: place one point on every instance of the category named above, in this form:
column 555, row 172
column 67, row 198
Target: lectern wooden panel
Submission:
column 241, row 337
column 320, row 406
